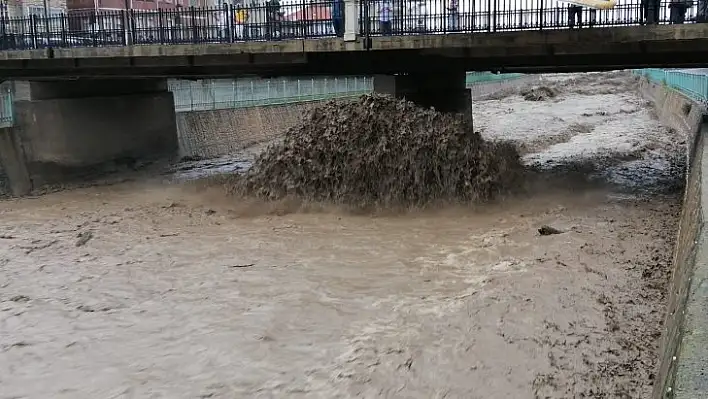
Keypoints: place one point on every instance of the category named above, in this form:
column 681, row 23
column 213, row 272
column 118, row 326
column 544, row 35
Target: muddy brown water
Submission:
column 184, row 293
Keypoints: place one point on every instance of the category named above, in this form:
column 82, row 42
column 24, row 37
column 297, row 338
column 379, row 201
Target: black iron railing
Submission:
column 306, row 19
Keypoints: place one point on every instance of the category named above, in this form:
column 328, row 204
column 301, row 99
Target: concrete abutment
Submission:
column 446, row 92
column 64, row 129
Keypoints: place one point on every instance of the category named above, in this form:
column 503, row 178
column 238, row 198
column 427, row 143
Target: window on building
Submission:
column 38, row 11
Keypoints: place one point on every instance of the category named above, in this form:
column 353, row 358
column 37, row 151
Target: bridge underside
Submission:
column 525, row 51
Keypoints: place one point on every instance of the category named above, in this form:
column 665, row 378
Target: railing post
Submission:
column 351, row 23
column 232, row 21
column 493, row 11
column 133, row 26
column 489, row 16
column 365, row 5
column 193, row 18
column 33, row 30
column 126, row 28
column 46, row 25
column 93, row 29
column 160, row 26
column 63, row 30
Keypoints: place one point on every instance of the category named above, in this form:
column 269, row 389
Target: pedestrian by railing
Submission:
column 693, row 83
column 273, row 20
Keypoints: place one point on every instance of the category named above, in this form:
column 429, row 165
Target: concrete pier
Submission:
column 445, row 92
column 63, row 128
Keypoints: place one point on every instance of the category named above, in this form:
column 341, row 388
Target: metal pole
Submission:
column 46, row 19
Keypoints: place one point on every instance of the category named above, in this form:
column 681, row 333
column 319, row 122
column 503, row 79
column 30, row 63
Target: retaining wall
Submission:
column 684, row 343
column 225, row 131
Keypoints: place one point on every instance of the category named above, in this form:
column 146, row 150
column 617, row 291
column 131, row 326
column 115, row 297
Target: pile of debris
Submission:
column 538, row 93
column 383, row 152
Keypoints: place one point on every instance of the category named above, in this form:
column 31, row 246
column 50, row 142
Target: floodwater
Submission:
column 153, row 290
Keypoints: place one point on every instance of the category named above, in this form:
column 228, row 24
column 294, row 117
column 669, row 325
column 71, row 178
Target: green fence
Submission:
column 691, row 83
column 240, row 93
column 484, row 77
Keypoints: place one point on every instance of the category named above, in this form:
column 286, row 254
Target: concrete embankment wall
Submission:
column 684, row 344
column 226, row 131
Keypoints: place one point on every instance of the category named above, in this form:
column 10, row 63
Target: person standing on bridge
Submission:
column 273, row 20
column 454, row 15
column 702, row 11
column 240, row 19
column 677, row 10
column 338, row 17
column 385, row 16
column 650, row 9
column 575, row 14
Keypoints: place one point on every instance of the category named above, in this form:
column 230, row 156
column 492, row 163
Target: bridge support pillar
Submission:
column 446, row 92
column 66, row 129
column 351, row 20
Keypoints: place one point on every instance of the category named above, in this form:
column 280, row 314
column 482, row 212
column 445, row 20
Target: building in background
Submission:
column 26, row 8
column 313, row 19
column 152, row 20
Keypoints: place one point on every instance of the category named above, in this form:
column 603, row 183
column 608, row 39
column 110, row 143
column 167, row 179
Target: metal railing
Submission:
column 275, row 21
column 402, row 17
column 693, row 84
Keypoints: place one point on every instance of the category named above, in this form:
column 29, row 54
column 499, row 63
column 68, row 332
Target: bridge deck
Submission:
column 581, row 49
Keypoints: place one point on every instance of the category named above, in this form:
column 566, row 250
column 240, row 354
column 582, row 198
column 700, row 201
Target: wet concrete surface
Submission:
column 181, row 292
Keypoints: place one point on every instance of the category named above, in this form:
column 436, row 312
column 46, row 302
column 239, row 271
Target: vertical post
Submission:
column 160, row 26
column 493, row 9
column 4, row 23
column 303, row 22
column 124, row 17
column 63, row 30
column 232, row 22
column 193, row 18
column 351, row 16
column 46, row 19
column 33, row 30
column 191, row 96
column 227, row 18
column 93, row 29
column 133, row 27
